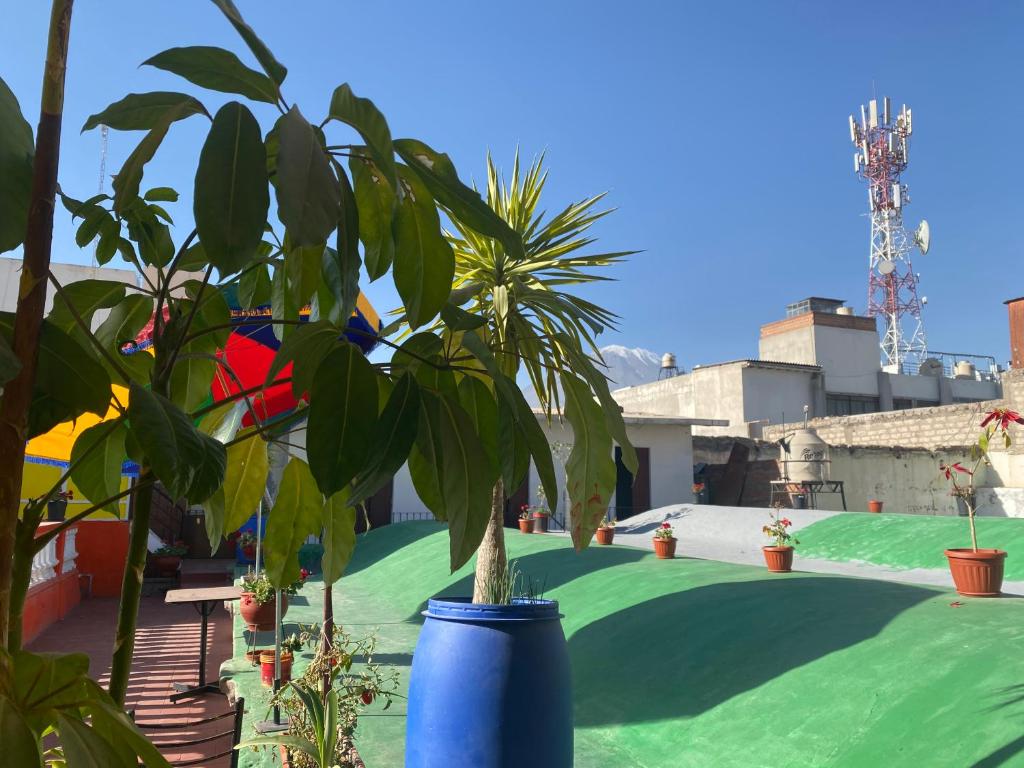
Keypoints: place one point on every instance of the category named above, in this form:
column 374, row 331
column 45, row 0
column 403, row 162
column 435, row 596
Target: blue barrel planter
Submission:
column 490, row 687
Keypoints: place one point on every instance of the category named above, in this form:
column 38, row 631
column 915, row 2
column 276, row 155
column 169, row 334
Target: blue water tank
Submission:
column 490, row 688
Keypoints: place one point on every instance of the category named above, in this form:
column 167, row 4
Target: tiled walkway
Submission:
column 166, row 651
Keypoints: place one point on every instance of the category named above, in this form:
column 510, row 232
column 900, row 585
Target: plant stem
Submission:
column 970, row 519
column 22, row 574
column 131, row 591
column 28, row 319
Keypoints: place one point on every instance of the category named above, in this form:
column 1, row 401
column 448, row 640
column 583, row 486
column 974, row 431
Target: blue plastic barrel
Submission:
column 490, row 688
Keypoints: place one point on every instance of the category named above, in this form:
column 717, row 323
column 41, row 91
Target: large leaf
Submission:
column 9, row 362
column 393, row 438
column 341, row 417
column 69, row 380
column 296, row 515
column 231, row 196
column 96, row 460
column 308, row 196
column 590, row 468
column 187, row 462
column 84, row 747
column 479, row 402
column 126, row 182
column 145, row 111
column 303, row 266
column 305, row 347
column 20, row 745
column 270, row 65
column 424, row 262
column 254, row 287
column 122, row 326
column 16, row 153
column 341, row 266
column 215, row 517
column 245, row 479
column 218, row 70
column 86, row 296
column 425, row 466
column 465, row 204
column 467, row 481
column 375, row 199
column 339, row 536
column 513, row 454
column 363, row 115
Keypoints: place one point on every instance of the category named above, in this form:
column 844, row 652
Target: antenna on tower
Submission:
column 103, row 179
column 882, row 142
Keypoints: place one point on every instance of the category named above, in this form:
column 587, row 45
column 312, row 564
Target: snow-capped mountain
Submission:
column 626, row 367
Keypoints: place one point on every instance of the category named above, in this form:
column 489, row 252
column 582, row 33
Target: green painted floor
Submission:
column 700, row 663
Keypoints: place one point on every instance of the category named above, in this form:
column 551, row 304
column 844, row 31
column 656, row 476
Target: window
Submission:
column 905, row 403
column 850, row 405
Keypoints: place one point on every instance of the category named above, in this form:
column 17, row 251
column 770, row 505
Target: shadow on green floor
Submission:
column 371, row 547
column 686, row 652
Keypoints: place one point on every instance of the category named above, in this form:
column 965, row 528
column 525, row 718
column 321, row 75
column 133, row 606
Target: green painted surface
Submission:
column 909, row 541
column 699, row 663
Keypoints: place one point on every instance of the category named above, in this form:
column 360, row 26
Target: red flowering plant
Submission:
column 995, row 426
column 665, row 531
column 778, row 528
column 697, row 488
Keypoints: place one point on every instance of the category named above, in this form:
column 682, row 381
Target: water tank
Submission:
column 668, row 360
column 807, row 456
column 931, row 367
column 965, row 370
column 844, row 311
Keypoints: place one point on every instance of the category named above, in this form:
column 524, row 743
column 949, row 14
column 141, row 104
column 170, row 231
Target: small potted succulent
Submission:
column 257, row 603
column 57, row 507
column 525, row 520
column 779, row 556
column 167, row 559
column 665, row 542
column 606, row 532
column 978, row 572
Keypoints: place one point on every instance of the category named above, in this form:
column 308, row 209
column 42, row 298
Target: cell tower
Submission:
column 882, row 154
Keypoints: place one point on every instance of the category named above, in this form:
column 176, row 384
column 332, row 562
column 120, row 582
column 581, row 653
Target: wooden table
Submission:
column 203, row 599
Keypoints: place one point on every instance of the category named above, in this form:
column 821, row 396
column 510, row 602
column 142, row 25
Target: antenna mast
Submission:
column 882, row 141
column 103, row 178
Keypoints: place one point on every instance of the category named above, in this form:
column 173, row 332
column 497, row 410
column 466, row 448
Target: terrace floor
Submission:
column 166, row 651
column 695, row 662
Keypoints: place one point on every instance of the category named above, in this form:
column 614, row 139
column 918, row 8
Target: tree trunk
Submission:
column 28, row 320
column 491, row 559
column 131, row 592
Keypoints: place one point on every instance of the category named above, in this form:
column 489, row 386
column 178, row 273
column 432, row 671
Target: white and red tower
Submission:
column 882, row 141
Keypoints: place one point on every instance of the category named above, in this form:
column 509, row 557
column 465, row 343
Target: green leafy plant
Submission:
column 995, row 426
column 664, row 531
column 262, row 588
column 521, row 317
column 608, row 522
column 778, row 528
column 177, row 549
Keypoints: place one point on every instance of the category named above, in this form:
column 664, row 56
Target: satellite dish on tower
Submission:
column 923, row 236
column 886, row 267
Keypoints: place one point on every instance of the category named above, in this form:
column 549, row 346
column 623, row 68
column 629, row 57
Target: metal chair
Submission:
column 235, row 732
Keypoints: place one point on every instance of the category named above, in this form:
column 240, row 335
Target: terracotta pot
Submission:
column 605, row 535
column 267, row 667
column 874, row 505
column 285, row 761
column 253, row 657
column 977, row 574
column 779, row 559
column 260, row 616
column 525, row 526
column 166, row 565
column 665, row 549
column 540, row 522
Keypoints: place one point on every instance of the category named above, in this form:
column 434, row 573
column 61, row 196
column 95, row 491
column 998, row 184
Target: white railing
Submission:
column 44, row 564
column 70, row 553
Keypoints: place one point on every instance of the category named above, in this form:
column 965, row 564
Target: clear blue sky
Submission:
column 718, row 128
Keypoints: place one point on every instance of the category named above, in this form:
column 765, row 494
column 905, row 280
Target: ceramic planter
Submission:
column 260, row 616
column 778, row 559
column 977, row 574
column 267, row 667
column 665, row 549
column 525, row 526
column 167, row 565
column 874, row 505
column 540, row 522
column 605, row 535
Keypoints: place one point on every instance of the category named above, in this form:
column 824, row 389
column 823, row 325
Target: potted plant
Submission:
column 698, row 493
column 247, row 545
column 289, row 647
column 525, row 521
column 257, row 603
column 57, row 507
column 875, row 506
column 605, row 532
column 978, row 572
column 779, row 556
column 540, row 517
column 167, row 559
column 665, row 542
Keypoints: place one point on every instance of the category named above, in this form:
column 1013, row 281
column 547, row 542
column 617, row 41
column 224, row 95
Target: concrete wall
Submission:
column 717, row 391
column 849, row 358
column 769, row 394
column 10, row 275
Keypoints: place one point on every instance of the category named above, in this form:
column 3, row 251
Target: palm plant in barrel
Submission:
column 978, row 572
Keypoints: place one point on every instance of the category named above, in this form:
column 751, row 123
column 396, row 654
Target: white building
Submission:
column 821, row 356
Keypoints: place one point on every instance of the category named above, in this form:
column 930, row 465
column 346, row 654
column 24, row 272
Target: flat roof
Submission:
column 759, row 364
column 658, row 419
